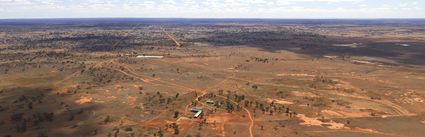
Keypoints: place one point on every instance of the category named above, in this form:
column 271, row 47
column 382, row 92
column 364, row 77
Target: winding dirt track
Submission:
column 126, row 70
column 396, row 108
column 251, row 124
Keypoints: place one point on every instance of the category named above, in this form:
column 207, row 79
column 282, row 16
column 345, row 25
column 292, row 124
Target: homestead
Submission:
column 197, row 111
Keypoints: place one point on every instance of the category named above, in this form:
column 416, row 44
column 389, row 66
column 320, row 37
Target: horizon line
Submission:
column 384, row 18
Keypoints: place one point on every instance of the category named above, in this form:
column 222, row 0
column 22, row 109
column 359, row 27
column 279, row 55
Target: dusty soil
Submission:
column 249, row 79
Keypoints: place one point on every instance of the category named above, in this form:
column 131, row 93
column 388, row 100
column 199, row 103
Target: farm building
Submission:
column 197, row 111
column 210, row 101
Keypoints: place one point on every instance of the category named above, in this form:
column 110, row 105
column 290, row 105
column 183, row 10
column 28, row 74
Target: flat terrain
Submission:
column 251, row 78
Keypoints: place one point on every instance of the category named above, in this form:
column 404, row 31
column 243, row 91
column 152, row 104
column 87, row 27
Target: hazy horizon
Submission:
column 252, row 9
column 218, row 18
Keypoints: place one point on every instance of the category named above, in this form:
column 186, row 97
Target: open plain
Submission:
column 249, row 78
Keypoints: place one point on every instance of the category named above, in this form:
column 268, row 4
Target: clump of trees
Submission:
column 176, row 114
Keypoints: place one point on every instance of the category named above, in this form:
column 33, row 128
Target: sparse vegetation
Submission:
column 249, row 78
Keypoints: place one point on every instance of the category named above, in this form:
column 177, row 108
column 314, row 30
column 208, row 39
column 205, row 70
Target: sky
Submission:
column 299, row 9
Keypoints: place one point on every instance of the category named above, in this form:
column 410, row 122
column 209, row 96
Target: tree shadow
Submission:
column 39, row 112
column 316, row 45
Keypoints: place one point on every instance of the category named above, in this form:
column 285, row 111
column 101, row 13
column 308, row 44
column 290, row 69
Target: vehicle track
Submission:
column 178, row 45
column 141, row 77
column 252, row 122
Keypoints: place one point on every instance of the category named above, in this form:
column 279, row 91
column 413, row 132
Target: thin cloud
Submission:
column 213, row 8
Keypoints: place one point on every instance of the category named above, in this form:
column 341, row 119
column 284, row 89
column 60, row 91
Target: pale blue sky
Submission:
column 213, row 8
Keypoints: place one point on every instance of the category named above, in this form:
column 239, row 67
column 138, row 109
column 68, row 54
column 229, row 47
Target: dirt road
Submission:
column 251, row 124
column 126, row 70
column 178, row 45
